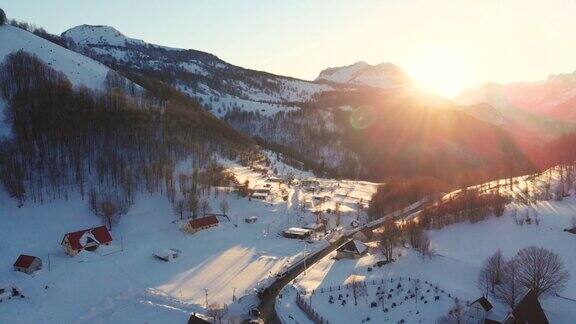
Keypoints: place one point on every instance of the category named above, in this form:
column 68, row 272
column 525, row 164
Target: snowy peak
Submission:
column 79, row 69
column 99, row 35
column 385, row 75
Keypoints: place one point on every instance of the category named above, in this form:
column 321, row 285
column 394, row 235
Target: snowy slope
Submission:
column 385, row 75
column 460, row 250
column 104, row 35
column 124, row 283
column 79, row 69
column 217, row 84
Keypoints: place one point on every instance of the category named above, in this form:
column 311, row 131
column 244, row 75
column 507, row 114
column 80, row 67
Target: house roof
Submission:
column 100, row 233
column 24, row 261
column 354, row 246
column 529, row 310
column 195, row 319
column 484, row 303
column 203, row 221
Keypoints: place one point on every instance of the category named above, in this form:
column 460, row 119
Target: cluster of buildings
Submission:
column 527, row 311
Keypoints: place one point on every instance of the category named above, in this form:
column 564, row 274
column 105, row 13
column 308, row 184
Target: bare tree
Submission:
column 509, row 291
column 204, row 206
column 110, row 211
column 217, row 311
column 388, row 239
column 358, row 290
column 192, row 204
column 224, row 206
column 2, row 17
column 491, row 273
column 455, row 314
column 179, row 208
column 541, row 270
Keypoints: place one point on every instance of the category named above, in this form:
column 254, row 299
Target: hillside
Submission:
column 459, row 251
column 385, row 75
column 216, row 84
column 232, row 260
column 79, row 69
column 546, row 106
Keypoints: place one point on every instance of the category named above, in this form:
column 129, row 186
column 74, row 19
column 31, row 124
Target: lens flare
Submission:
column 362, row 117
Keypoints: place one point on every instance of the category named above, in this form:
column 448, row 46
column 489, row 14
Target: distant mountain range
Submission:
column 385, row 75
column 403, row 132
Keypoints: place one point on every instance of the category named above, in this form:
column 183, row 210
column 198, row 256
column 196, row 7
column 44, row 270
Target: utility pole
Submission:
column 233, row 294
column 206, row 292
column 49, row 265
column 121, row 243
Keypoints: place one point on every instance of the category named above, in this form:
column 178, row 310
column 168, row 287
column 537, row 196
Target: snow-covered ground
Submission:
column 460, row 252
column 124, row 283
column 79, row 69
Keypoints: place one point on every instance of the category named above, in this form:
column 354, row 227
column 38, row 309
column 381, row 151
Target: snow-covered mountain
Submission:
column 554, row 97
column 79, row 69
column 385, row 75
column 215, row 83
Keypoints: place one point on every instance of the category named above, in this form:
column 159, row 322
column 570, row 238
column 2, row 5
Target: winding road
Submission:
column 268, row 296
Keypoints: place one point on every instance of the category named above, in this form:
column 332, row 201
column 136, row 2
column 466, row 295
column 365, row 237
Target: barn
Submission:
column 364, row 235
column 27, row 264
column 198, row 224
column 352, row 249
column 88, row 239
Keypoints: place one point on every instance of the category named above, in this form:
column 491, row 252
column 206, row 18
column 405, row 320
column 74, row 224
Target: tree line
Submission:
column 106, row 145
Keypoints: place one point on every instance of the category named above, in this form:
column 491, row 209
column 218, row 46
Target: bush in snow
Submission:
column 2, row 17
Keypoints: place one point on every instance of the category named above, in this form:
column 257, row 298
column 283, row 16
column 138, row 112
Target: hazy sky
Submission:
column 447, row 45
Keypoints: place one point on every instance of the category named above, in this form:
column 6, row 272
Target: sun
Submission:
column 439, row 69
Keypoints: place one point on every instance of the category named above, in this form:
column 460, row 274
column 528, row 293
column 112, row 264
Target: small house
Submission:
column 27, row 264
column 195, row 319
column 364, row 235
column 88, row 239
column 259, row 195
column 316, row 227
column 477, row 310
column 198, row 224
column 352, row 249
column 251, row 219
column 274, row 180
column 296, row 233
column 528, row 311
column 167, row 255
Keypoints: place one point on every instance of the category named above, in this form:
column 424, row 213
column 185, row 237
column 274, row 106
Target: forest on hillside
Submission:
column 106, row 145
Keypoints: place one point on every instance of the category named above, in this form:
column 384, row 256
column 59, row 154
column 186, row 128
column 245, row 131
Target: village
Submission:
column 184, row 263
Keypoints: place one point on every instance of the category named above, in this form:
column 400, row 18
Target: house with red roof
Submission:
column 27, row 264
column 88, row 239
column 198, row 224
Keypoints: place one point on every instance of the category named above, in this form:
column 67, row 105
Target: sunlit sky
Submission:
column 447, row 46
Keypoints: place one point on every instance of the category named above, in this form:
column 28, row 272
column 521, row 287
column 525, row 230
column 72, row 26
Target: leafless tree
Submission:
column 454, row 316
column 358, row 290
column 491, row 273
column 224, row 206
column 217, row 311
column 509, row 291
column 541, row 270
column 204, row 206
column 179, row 208
column 109, row 210
column 388, row 239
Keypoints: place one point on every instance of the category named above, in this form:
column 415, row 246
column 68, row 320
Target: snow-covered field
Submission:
column 124, row 283
column 460, row 251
